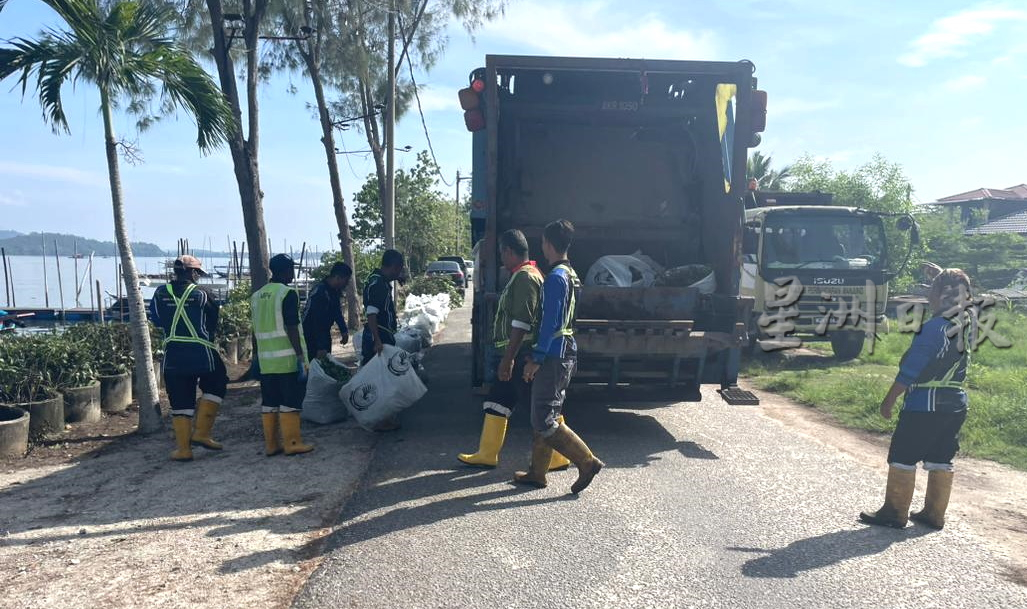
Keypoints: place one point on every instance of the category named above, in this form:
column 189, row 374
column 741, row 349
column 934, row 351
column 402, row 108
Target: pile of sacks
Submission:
column 421, row 319
column 387, row 384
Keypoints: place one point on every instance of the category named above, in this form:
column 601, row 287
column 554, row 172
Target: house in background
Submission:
column 987, row 211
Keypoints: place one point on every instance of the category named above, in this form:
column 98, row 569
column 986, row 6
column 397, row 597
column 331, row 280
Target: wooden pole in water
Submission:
column 75, row 258
column 14, row 295
column 46, row 286
column 7, row 283
column 242, row 256
column 60, row 284
column 91, row 303
column 99, row 301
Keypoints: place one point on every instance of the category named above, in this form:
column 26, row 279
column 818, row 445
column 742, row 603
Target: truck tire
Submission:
column 847, row 345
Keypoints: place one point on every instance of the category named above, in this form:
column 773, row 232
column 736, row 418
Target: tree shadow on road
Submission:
column 356, row 528
column 823, row 551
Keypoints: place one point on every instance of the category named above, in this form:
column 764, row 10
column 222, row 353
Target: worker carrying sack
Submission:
column 382, row 388
column 322, row 403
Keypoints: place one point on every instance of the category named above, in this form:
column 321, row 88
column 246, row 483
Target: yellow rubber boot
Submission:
column 290, row 422
column 897, row 497
column 541, row 455
column 183, row 427
column 559, row 462
column 493, row 434
column 206, row 412
column 939, row 487
column 272, row 446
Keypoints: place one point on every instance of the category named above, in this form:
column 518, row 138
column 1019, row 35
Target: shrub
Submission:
column 108, row 345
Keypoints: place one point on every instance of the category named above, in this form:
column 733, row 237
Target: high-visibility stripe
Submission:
column 273, row 354
column 183, row 317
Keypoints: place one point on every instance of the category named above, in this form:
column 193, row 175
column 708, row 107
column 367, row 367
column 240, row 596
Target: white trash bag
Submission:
column 382, row 388
column 322, row 403
column 621, row 272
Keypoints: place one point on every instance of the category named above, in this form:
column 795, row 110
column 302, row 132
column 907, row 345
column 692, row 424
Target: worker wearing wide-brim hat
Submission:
column 188, row 315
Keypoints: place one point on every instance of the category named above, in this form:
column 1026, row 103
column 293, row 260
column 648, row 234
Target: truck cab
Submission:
column 825, row 268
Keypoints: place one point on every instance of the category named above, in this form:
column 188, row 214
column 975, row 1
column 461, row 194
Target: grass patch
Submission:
column 851, row 392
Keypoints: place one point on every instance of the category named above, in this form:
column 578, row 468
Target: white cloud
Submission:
column 797, row 105
column 964, row 83
column 53, row 173
column 948, row 36
column 438, row 99
column 596, row 29
column 14, row 199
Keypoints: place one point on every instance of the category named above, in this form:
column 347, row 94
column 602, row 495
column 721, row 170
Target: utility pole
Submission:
column 459, row 224
column 389, row 200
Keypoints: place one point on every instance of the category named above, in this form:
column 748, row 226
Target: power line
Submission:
column 420, row 111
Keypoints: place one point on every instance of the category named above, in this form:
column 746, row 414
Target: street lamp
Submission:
column 458, row 180
column 407, row 148
column 344, row 123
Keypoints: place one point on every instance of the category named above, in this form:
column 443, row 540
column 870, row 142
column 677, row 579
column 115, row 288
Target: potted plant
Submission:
column 111, row 349
column 73, row 373
column 25, row 383
column 233, row 336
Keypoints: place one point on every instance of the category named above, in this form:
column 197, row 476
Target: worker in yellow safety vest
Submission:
column 281, row 353
column 188, row 315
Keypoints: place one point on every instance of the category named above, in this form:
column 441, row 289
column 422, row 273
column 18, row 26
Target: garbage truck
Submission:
column 643, row 156
column 820, row 268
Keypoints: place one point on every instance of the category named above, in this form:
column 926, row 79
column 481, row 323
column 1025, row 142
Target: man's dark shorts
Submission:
column 181, row 388
column 504, row 396
column 278, row 390
column 931, row 437
column 367, row 343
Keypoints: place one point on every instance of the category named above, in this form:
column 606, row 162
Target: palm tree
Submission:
column 758, row 168
column 122, row 48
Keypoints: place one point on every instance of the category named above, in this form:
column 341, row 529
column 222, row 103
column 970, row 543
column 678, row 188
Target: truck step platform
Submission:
column 739, row 397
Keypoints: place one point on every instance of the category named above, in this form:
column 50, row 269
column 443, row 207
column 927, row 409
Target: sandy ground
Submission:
column 990, row 495
column 104, row 519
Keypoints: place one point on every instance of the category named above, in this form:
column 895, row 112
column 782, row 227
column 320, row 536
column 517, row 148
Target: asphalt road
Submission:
column 701, row 505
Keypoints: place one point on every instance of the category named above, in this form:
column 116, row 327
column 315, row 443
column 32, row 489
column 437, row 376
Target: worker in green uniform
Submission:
column 513, row 334
column 552, row 364
column 281, row 353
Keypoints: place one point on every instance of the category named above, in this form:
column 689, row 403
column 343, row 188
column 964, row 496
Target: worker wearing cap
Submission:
column 188, row 315
column 281, row 353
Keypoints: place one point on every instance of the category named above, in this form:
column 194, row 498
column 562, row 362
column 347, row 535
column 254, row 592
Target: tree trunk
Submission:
column 244, row 153
column 146, row 381
column 339, row 203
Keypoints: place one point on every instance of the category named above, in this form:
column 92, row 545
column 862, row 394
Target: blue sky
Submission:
column 937, row 87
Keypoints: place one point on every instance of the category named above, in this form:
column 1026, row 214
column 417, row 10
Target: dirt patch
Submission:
column 102, row 517
column 991, row 496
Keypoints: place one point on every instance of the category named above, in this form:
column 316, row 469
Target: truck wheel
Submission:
column 847, row 345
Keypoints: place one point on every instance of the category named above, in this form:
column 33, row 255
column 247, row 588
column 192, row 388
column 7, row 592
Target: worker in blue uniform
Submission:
column 188, row 315
column 931, row 376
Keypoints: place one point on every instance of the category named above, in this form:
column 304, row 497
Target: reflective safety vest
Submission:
column 502, row 318
column 181, row 319
column 274, row 349
column 567, row 328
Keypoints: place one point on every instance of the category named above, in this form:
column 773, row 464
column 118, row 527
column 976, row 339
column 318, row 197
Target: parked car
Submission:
column 457, row 259
column 469, row 265
column 450, row 269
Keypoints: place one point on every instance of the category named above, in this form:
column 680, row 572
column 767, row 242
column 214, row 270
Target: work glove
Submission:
column 301, row 370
